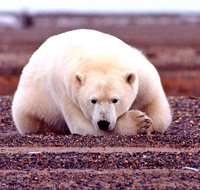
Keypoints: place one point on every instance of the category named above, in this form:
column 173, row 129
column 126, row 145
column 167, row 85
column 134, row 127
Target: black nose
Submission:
column 103, row 125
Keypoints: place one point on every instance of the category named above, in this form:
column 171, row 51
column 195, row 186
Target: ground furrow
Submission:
column 37, row 150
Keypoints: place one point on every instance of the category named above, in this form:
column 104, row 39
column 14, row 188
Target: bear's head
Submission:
column 103, row 97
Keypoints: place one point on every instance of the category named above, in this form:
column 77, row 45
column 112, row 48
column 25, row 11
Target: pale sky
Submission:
column 134, row 6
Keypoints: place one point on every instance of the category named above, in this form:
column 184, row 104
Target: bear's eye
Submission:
column 93, row 101
column 114, row 101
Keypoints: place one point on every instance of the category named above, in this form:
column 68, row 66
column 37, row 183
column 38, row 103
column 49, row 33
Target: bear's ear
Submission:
column 130, row 77
column 80, row 78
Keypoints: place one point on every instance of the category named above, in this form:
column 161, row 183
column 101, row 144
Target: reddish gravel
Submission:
column 51, row 161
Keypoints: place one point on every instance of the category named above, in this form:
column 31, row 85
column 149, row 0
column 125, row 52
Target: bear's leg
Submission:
column 159, row 111
column 133, row 122
column 76, row 121
column 29, row 124
column 26, row 123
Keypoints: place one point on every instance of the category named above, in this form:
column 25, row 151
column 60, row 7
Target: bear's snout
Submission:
column 103, row 125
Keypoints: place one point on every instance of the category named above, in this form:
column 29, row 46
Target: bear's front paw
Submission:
column 134, row 122
column 143, row 122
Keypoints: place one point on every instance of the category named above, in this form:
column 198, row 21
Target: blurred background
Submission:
column 167, row 32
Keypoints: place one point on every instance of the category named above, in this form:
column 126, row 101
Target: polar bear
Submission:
column 87, row 82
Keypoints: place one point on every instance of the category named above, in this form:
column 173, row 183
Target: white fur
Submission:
column 70, row 70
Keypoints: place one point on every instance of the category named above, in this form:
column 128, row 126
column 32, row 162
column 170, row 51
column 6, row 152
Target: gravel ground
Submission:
column 50, row 161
